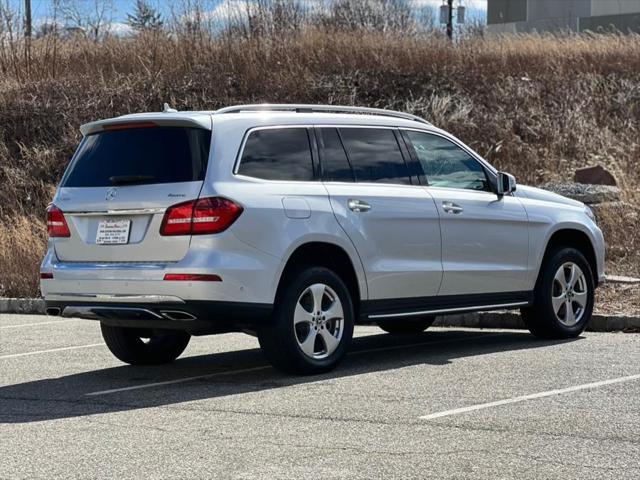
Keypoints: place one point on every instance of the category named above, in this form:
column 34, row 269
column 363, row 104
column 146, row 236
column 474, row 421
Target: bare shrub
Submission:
column 22, row 246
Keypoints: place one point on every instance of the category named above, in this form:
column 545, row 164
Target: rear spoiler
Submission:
column 148, row 120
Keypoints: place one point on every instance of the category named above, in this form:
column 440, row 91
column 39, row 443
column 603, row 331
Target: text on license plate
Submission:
column 113, row 232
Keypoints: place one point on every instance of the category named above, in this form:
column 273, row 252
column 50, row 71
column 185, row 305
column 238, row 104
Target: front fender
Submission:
column 591, row 232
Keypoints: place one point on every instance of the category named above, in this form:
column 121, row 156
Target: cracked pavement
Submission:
column 360, row 421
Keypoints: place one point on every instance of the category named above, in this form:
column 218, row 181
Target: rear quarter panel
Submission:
column 264, row 224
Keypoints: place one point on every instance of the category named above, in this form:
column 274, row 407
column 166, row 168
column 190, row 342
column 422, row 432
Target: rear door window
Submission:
column 140, row 156
column 277, row 154
column 335, row 164
column 375, row 155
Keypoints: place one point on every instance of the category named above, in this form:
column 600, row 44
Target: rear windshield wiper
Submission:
column 125, row 179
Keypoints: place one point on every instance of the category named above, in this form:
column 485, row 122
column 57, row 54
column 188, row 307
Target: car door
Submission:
column 391, row 220
column 484, row 237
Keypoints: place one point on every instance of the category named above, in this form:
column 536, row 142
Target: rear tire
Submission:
column 563, row 297
column 407, row 325
column 313, row 323
column 143, row 346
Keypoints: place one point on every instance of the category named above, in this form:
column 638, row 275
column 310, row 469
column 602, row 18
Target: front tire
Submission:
column 563, row 297
column 407, row 325
column 313, row 323
column 137, row 346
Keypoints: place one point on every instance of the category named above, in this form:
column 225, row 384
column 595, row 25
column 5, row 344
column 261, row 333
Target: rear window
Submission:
column 140, row 156
column 277, row 154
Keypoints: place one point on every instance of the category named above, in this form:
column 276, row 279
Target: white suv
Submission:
column 296, row 222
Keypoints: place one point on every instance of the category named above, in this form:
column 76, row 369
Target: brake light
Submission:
column 46, row 275
column 128, row 126
column 200, row 217
column 56, row 223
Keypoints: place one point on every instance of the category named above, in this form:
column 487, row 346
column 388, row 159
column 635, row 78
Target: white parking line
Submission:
column 179, row 380
column 264, row 367
column 14, row 355
column 532, row 396
column 41, row 323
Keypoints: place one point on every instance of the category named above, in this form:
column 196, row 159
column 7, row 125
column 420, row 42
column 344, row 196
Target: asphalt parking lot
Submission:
column 450, row 403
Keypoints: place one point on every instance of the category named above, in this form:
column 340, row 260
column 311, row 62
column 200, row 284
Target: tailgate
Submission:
column 118, row 186
column 142, row 207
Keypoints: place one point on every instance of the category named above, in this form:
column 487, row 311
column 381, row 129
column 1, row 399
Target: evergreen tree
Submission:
column 144, row 17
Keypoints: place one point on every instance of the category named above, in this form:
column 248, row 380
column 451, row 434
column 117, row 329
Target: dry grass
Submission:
column 22, row 246
column 618, row 299
column 535, row 106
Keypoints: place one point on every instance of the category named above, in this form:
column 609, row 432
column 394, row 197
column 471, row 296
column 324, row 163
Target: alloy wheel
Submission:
column 318, row 321
column 569, row 294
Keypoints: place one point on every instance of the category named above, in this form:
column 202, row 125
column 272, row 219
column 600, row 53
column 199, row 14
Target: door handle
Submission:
column 451, row 207
column 358, row 205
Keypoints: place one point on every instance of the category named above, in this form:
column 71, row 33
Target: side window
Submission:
column 447, row 165
column 277, row 154
column 375, row 155
column 335, row 164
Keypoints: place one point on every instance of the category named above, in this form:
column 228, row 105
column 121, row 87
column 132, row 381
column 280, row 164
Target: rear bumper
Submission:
column 197, row 317
column 245, row 275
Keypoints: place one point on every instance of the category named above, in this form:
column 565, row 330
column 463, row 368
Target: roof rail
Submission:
column 307, row 108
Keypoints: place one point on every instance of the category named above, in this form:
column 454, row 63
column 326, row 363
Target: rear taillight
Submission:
column 200, row 217
column 56, row 224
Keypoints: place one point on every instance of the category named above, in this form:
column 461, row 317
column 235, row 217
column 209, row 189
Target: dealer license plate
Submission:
column 113, row 232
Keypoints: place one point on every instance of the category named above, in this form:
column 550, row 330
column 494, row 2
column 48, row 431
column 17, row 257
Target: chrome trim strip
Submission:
column 90, row 312
column 170, row 314
column 447, row 310
column 134, row 211
column 111, row 298
column 109, row 266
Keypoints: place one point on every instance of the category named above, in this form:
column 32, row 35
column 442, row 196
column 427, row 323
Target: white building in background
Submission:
column 521, row 16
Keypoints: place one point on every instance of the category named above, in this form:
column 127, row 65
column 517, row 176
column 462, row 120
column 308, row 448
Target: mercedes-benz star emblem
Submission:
column 111, row 194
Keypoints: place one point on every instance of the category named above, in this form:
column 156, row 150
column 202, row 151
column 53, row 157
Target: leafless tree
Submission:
column 370, row 15
column 10, row 27
column 92, row 16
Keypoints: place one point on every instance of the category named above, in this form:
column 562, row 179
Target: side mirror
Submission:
column 506, row 184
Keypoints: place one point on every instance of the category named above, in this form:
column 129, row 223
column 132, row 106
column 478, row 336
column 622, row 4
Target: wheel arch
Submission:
column 574, row 238
column 332, row 256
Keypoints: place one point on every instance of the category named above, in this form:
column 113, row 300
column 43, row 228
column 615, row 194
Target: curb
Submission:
column 493, row 319
column 27, row 306
column 512, row 320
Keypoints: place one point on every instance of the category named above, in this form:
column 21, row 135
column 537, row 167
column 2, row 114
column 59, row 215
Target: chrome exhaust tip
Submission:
column 177, row 315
